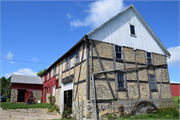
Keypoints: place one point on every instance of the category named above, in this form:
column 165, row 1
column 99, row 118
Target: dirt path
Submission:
column 8, row 115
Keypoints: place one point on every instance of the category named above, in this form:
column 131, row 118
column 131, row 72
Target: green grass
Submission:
column 176, row 101
column 8, row 105
column 163, row 114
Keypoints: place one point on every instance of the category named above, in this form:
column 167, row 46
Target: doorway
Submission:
column 68, row 100
column 21, row 95
column 66, row 96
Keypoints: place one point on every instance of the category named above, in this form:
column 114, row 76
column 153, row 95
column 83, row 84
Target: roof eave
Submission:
column 64, row 54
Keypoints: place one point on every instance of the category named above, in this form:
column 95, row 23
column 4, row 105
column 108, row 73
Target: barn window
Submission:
column 77, row 57
column 72, row 56
column 54, row 70
column 121, row 80
column 132, row 28
column 48, row 76
column 119, row 52
column 153, row 82
column 149, row 58
column 67, row 62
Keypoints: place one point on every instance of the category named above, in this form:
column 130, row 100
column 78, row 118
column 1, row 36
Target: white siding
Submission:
column 118, row 32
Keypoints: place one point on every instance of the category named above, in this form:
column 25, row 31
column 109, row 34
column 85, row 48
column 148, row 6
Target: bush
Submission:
column 7, row 100
column 51, row 100
column 57, row 109
column 50, row 110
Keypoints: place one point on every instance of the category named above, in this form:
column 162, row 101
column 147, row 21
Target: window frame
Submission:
column 149, row 58
column 54, row 71
column 130, row 30
column 48, row 76
column 67, row 63
column 125, row 87
column 76, row 60
column 119, row 52
column 153, row 89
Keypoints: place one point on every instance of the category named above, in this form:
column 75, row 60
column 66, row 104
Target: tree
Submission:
column 40, row 72
column 4, row 85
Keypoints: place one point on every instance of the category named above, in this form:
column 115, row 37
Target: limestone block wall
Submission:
column 37, row 95
column 137, row 81
column 13, row 95
column 58, row 97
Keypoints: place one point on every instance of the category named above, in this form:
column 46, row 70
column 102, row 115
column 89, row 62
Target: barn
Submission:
column 122, row 61
column 175, row 88
column 23, row 86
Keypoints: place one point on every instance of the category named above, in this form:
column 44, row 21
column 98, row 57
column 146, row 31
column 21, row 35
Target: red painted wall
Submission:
column 50, row 83
column 28, row 87
column 175, row 89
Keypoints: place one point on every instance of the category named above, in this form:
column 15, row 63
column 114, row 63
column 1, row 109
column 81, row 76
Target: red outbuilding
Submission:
column 175, row 89
column 26, row 88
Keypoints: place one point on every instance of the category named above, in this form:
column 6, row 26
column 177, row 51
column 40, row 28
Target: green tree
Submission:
column 3, row 85
column 40, row 72
column 8, row 83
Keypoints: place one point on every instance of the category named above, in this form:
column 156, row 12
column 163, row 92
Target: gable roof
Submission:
column 120, row 13
column 102, row 25
column 26, row 79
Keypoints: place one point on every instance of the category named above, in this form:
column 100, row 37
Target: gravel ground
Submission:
column 8, row 115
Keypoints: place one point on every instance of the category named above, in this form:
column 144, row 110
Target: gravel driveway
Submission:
column 8, row 115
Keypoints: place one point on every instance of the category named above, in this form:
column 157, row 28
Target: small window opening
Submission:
column 118, row 52
column 121, row 80
column 132, row 28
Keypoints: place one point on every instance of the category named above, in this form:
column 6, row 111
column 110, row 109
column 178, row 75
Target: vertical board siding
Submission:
column 118, row 32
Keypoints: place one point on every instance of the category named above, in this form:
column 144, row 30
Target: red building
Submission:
column 23, row 86
column 50, row 83
column 175, row 89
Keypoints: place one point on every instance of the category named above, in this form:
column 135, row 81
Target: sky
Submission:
column 39, row 32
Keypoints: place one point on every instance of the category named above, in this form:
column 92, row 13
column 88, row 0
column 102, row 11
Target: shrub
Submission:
column 57, row 109
column 50, row 110
column 7, row 100
column 110, row 117
column 51, row 100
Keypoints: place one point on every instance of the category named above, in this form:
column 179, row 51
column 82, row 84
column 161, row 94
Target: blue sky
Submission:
column 41, row 32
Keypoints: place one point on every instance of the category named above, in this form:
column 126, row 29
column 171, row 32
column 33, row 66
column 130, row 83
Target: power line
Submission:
column 24, row 61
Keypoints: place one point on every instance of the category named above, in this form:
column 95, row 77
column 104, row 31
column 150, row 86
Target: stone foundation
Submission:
column 86, row 109
column 37, row 95
column 13, row 96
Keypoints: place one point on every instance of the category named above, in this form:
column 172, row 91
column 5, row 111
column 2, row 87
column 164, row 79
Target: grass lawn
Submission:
column 8, row 105
column 176, row 101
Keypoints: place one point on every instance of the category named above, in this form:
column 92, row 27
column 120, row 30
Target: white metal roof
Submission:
column 26, row 79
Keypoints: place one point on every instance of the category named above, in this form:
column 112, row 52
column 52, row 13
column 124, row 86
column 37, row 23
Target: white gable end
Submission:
column 117, row 31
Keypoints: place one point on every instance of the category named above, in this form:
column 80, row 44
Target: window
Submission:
column 118, row 52
column 152, row 82
column 121, row 80
column 132, row 28
column 77, row 57
column 54, row 70
column 72, row 56
column 48, row 76
column 149, row 58
column 68, row 63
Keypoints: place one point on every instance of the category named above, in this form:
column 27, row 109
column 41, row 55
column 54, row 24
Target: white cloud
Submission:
column 175, row 56
column 9, row 55
column 34, row 59
column 25, row 71
column 69, row 15
column 12, row 62
column 99, row 12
